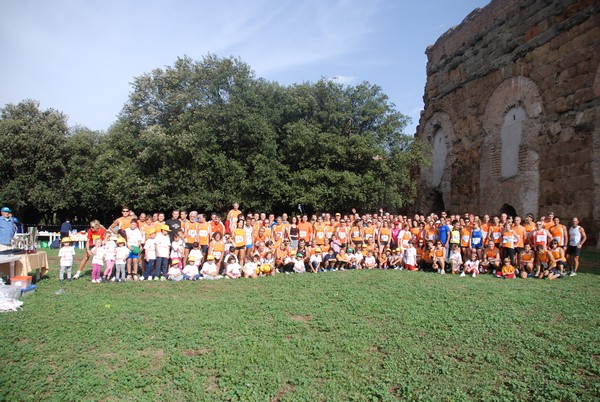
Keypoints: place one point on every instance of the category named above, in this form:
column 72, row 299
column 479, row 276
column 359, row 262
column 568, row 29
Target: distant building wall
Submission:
column 515, row 92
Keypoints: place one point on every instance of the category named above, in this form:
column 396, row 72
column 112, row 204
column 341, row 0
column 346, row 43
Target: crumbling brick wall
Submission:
column 540, row 56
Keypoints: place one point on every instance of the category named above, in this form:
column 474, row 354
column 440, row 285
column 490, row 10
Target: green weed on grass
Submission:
column 368, row 335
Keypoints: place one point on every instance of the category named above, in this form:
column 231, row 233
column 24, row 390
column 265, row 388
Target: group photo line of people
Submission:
column 192, row 246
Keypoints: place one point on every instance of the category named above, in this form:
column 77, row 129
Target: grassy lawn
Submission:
column 376, row 335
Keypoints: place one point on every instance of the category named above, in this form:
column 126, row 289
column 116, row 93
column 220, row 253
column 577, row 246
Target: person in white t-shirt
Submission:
column 163, row 248
column 210, row 270
column 109, row 257
column 370, row 261
column 299, row 266
column 134, row 238
column 316, row 261
column 410, row 257
column 197, row 253
column 65, row 255
column 251, row 266
column 471, row 266
column 97, row 252
column 121, row 254
column 190, row 271
column 150, row 255
column 233, row 270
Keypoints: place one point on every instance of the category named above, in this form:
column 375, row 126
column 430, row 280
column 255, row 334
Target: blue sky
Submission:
column 80, row 57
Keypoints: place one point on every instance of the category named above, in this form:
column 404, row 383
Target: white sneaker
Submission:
column 76, row 276
column 474, row 275
column 141, row 278
column 442, row 271
column 162, row 278
column 113, row 279
column 156, row 278
column 463, row 275
column 135, row 277
column 573, row 273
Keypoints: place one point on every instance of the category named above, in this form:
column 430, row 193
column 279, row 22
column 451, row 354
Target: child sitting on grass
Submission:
column 251, row 266
column 455, row 259
column 471, row 266
column 370, row 261
column 210, row 269
column 233, row 268
column 190, row 271
column 508, row 271
column 174, row 273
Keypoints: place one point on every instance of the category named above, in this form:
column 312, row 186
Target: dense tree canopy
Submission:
column 203, row 134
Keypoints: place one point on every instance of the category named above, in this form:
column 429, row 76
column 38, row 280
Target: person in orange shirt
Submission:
column 233, row 216
column 356, row 235
column 529, row 227
column 508, row 270
column 122, row 223
column 559, row 257
column 521, row 234
column 342, row 234
column 491, row 258
column 545, row 265
column 190, row 232
column 495, row 232
column 204, row 234
column 217, row 248
column 439, row 258
column 320, row 231
column 508, row 242
column 548, row 220
column 239, row 239
column 385, row 236
column 465, row 241
column 559, row 232
column 485, row 227
column 526, row 261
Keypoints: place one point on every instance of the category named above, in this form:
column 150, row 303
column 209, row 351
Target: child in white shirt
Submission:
column 109, row 257
column 299, row 266
column 233, row 269
column 455, row 259
column 174, row 273
column 66, row 253
column 121, row 254
column 190, row 272
column 471, row 266
column 210, row 269
column 251, row 266
column 98, row 252
column 410, row 257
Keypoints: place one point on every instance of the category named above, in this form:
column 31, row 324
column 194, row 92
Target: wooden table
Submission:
column 23, row 264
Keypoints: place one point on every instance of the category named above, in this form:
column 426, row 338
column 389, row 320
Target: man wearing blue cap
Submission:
column 7, row 229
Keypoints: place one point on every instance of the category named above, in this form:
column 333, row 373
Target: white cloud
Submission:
column 343, row 79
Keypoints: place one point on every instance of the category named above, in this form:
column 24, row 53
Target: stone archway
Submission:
column 439, row 133
column 509, row 171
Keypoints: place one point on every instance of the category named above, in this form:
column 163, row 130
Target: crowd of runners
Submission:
column 192, row 246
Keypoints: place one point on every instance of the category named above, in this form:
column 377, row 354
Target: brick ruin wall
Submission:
column 512, row 112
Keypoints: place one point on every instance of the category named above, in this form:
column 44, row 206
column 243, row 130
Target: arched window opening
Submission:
column 512, row 134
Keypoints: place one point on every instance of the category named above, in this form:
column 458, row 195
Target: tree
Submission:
column 32, row 169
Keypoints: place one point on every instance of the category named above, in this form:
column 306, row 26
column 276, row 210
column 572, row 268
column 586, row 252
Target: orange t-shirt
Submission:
column 203, row 234
column 305, row 231
column 191, row 232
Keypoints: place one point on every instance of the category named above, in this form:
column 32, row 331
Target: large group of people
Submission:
column 193, row 246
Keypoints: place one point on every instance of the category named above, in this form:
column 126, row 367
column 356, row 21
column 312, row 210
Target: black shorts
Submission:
column 573, row 250
column 189, row 246
column 240, row 248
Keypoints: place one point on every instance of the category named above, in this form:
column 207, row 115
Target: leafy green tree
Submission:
column 32, row 168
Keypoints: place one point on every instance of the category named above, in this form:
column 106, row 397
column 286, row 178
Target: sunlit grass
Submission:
column 333, row 336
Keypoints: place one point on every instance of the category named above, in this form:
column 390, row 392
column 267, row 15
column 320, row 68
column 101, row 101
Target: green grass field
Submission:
column 367, row 335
